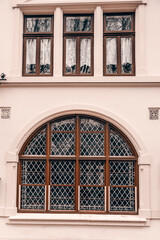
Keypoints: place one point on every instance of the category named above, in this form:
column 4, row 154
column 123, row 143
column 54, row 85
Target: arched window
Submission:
column 78, row 164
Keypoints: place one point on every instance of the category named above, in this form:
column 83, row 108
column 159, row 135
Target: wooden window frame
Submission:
column 118, row 35
column 78, row 158
column 38, row 36
column 78, row 35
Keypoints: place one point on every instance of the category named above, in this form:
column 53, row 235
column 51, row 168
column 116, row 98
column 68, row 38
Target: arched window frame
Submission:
column 106, row 158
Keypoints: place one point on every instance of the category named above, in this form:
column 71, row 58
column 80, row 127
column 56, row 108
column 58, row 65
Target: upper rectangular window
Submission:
column 78, row 45
column 38, row 46
column 119, row 44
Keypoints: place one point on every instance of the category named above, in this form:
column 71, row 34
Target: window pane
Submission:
column 92, row 198
column 122, row 199
column 38, row 24
column 63, row 144
column 45, row 56
column 64, row 125
column 30, row 56
column 121, row 173
column 118, row 145
column 33, row 172
column 62, row 198
column 118, row 23
column 33, row 197
column 111, row 55
column 74, row 24
column 63, row 172
column 91, row 172
column 85, row 55
column 37, row 145
column 87, row 124
column 71, row 55
column 92, row 144
column 126, row 55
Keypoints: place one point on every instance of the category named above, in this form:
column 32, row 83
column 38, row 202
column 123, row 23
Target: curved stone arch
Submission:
column 104, row 114
column 143, row 156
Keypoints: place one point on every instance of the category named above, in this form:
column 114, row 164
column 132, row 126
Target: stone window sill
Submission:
column 77, row 219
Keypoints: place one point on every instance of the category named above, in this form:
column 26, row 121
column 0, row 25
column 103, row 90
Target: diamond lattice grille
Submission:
column 118, row 146
column 62, row 198
column 92, row 173
column 33, row 172
column 62, row 172
column 87, row 124
column 121, row 173
column 32, row 197
column 63, row 144
column 64, row 125
column 122, row 199
column 92, row 198
column 92, row 144
column 37, row 145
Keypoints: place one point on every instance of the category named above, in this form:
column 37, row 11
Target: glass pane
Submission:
column 38, row 24
column 33, row 172
column 87, row 124
column 74, row 24
column 71, row 55
column 62, row 198
column 118, row 145
column 122, row 199
column 63, row 172
column 30, row 56
column 126, row 55
column 92, row 144
column 45, row 56
column 121, row 173
column 63, row 144
column 92, row 198
column 111, row 55
column 33, row 197
column 37, row 145
column 118, row 23
column 91, row 172
column 64, row 125
column 85, row 55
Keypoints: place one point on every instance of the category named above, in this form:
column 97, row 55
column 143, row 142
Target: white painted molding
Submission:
column 73, row 109
column 58, row 42
column 78, row 219
column 98, row 42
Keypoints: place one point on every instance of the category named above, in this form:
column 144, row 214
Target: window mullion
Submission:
column 77, row 164
column 78, row 55
column 47, row 171
column 107, row 175
column 38, row 56
column 118, row 55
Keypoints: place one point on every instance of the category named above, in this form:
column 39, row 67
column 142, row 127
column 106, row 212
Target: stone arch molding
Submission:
column 129, row 131
column 110, row 116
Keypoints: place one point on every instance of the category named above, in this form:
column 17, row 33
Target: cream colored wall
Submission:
column 126, row 105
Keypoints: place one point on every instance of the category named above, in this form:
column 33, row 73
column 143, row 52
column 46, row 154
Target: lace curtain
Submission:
column 111, row 53
column 45, row 55
column 30, row 55
column 126, row 55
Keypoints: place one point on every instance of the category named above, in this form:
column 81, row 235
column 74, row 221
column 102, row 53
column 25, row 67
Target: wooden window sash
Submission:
column 38, row 36
column 77, row 158
column 119, row 35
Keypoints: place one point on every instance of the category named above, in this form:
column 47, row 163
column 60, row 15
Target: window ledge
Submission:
column 77, row 219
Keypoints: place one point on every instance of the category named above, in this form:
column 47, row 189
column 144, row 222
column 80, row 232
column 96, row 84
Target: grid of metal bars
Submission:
column 79, row 173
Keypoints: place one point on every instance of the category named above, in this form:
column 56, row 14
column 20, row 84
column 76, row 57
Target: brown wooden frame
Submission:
column 118, row 35
column 38, row 36
column 77, row 35
column 77, row 158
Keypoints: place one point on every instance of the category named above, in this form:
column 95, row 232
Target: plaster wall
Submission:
column 125, row 106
